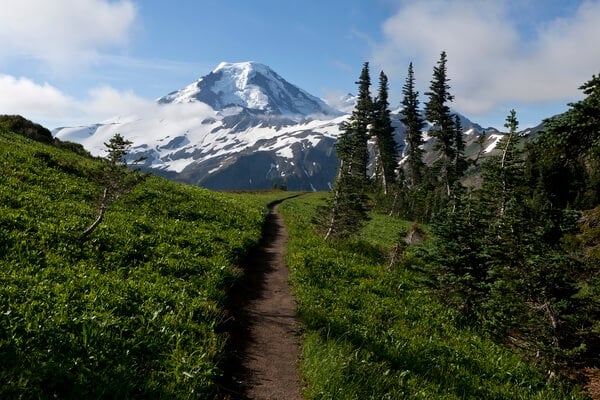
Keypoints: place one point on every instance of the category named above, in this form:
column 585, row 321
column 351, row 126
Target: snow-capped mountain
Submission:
column 240, row 127
column 252, row 86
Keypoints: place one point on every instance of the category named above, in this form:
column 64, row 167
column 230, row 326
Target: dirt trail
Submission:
column 264, row 331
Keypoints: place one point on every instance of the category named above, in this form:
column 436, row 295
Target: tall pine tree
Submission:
column 460, row 161
column 386, row 147
column 438, row 113
column 503, row 175
column 348, row 210
column 412, row 120
column 352, row 148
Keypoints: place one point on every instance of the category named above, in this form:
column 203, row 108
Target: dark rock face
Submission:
column 311, row 168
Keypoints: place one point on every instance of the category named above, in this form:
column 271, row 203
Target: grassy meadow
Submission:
column 374, row 333
column 132, row 310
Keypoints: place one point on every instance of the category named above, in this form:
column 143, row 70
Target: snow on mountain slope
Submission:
column 252, row 86
column 172, row 144
column 242, row 126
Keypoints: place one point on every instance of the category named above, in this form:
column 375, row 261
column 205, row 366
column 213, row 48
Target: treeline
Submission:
column 518, row 255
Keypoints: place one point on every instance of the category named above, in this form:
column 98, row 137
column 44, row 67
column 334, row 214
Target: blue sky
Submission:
column 70, row 62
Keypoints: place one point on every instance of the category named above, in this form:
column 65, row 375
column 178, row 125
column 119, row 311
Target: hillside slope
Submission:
column 132, row 310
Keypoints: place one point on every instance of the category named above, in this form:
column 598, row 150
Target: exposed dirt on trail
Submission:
column 593, row 385
column 264, row 332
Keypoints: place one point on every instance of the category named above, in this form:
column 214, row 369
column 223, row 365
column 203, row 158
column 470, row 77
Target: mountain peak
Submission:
column 253, row 86
column 243, row 67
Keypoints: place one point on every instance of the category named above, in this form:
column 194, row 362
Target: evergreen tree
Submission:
column 355, row 152
column 568, row 152
column 438, row 113
column 117, row 148
column 348, row 208
column 460, row 257
column 531, row 279
column 414, row 123
column 504, row 175
column 460, row 161
column 386, row 147
column 116, row 181
column 349, row 204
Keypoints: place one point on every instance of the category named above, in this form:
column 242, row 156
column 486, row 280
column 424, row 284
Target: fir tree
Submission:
column 354, row 151
column 460, row 161
column 459, row 256
column 115, row 178
column 568, row 152
column 117, row 148
column 414, row 123
column 503, row 176
column 386, row 147
column 438, row 113
column 348, row 205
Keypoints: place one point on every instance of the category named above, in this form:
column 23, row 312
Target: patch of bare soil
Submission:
column 264, row 332
column 593, row 385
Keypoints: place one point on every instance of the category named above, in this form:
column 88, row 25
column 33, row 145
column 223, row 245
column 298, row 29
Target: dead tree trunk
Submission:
column 94, row 225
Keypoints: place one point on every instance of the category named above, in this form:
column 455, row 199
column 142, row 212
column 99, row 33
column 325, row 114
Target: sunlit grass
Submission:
column 374, row 333
column 131, row 311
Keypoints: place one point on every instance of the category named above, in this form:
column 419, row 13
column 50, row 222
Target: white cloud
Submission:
column 490, row 61
column 63, row 33
column 23, row 96
column 106, row 102
column 49, row 106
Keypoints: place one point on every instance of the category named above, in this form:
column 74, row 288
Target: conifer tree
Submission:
column 414, row 123
column 438, row 113
column 503, row 176
column 460, row 161
column 531, row 280
column 386, row 147
column 354, row 151
column 117, row 148
column 569, row 152
column 114, row 178
column 348, row 208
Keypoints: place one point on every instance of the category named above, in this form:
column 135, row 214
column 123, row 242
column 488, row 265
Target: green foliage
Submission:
column 352, row 144
column 117, row 148
column 438, row 113
column 502, row 264
column 414, row 123
column 21, row 126
column 371, row 333
column 459, row 256
column 348, row 208
column 504, row 175
column 346, row 212
column 568, row 152
column 134, row 311
column 386, row 148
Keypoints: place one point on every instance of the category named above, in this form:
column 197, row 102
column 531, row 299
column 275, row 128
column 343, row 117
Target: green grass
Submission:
column 134, row 310
column 371, row 333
